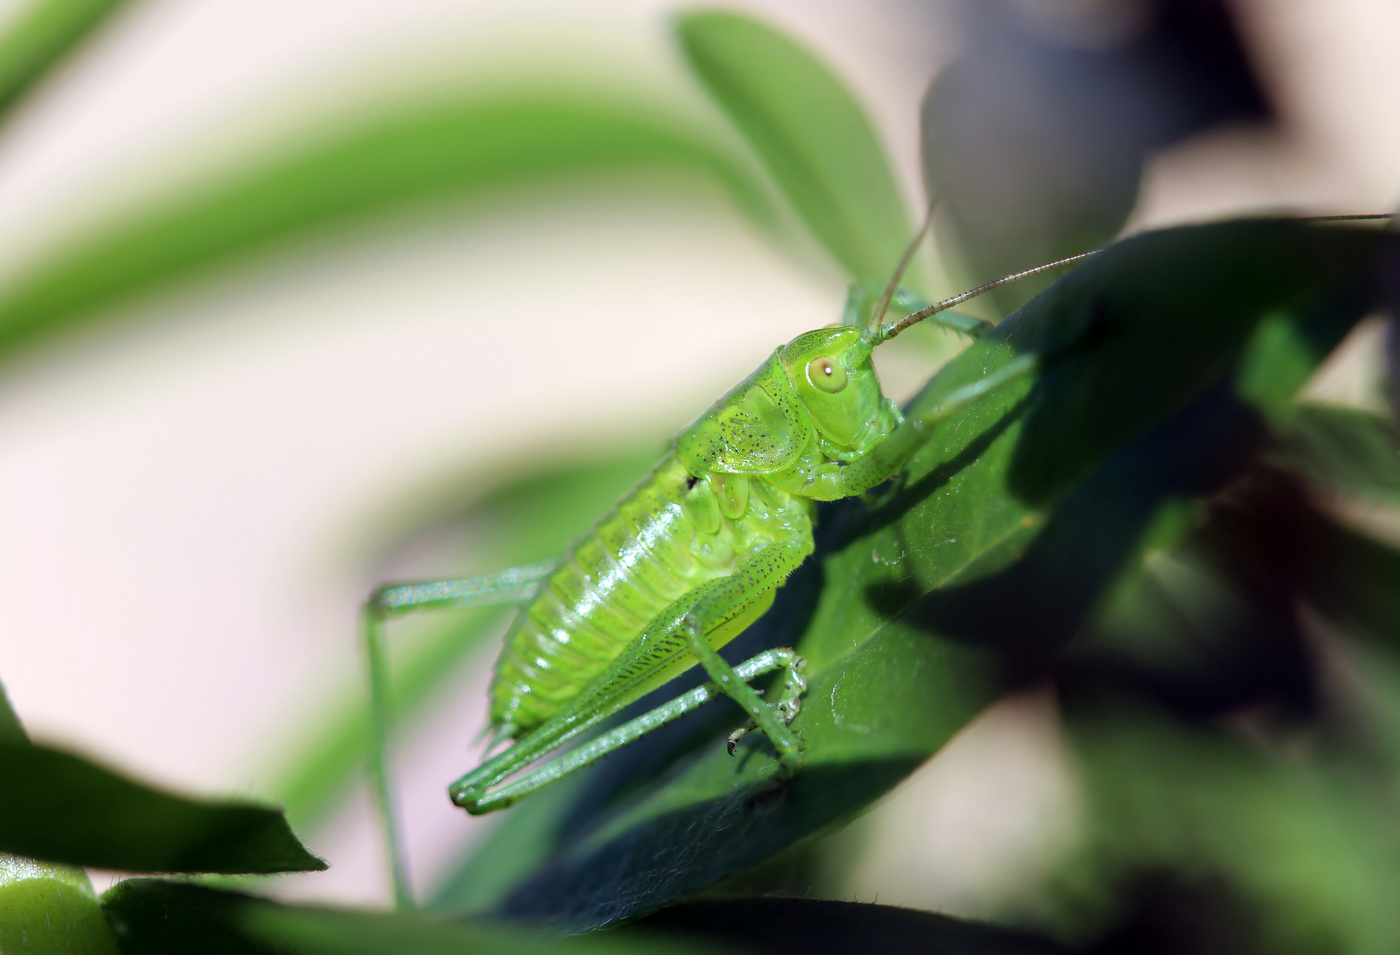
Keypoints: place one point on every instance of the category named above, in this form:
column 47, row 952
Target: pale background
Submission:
column 186, row 505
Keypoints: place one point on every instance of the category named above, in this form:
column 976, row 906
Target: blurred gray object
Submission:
column 1034, row 138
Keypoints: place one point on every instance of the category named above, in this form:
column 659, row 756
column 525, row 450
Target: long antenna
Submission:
column 889, row 331
column 1350, row 217
column 884, row 304
column 886, row 332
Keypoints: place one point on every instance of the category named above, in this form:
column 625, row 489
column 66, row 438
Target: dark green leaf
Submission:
column 154, row 917
column 1012, row 521
column 809, row 132
column 1354, row 451
column 11, row 729
column 62, row 808
column 412, row 154
column 1314, row 853
column 778, row 926
column 40, row 35
column 1352, row 578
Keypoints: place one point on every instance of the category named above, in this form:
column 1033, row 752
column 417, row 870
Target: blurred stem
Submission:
column 380, row 731
column 39, row 36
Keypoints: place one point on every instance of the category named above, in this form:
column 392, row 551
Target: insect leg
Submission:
column 668, row 637
column 735, row 687
column 595, row 749
column 508, row 586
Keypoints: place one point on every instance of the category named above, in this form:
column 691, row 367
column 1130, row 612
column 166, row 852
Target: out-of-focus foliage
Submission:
column 1152, row 523
column 402, row 155
column 39, row 35
column 810, row 134
column 60, row 807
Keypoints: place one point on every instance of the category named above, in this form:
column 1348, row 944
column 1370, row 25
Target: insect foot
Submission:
column 467, row 797
column 739, row 734
column 787, row 706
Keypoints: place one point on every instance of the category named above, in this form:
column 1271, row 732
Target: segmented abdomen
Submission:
column 669, row 535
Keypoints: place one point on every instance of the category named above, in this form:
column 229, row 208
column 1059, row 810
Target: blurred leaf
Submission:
column 526, row 519
column 1013, row 520
column 411, row 154
column 153, row 917
column 1313, row 852
column 1276, row 364
column 61, row 808
column 1357, row 581
column 11, row 729
column 1277, row 542
column 810, row 133
column 1354, row 451
column 778, row 926
column 40, row 35
column 45, row 906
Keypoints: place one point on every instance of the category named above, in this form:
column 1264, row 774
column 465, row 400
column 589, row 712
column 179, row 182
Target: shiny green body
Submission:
column 740, row 479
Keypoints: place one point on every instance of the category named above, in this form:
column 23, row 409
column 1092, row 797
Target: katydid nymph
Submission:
column 691, row 556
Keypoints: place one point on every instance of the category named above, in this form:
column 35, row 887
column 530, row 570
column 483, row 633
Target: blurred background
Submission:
column 198, row 490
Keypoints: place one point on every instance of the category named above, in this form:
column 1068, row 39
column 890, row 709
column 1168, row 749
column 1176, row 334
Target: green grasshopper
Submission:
column 689, row 558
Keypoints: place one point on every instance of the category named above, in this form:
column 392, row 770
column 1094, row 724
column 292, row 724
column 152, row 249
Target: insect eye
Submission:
column 826, row 374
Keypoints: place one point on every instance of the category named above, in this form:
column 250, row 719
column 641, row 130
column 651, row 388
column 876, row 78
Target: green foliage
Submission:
column 1139, row 523
column 62, row 808
column 810, row 134
column 910, row 613
column 153, row 917
column 401, row 155
column 40, row 35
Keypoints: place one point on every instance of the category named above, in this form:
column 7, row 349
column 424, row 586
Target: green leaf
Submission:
column 11, row 729
column 1351, row 577
column 1354, row 451
column 814, row 925
column 523, row 520
column 409, row 154
column 153, row 917
column 810, row 133
column 40, row 35
column 1311, row 849
column 1010, row 524
column 61, row 808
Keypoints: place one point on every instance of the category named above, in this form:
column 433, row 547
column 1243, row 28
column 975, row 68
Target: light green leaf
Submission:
column 810, row 133
column 409, row 154
column 40, row 35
